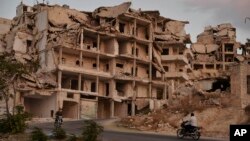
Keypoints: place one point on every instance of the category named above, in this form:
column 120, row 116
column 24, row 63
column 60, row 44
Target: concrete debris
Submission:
column 111, row 12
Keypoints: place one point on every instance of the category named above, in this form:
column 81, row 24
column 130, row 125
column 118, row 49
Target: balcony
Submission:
column 182, row 75
column 172, row 58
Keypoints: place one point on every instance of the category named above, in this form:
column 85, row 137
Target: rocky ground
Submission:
column 214, row 112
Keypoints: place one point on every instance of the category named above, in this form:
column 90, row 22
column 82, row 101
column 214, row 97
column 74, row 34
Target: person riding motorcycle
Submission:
column 59, row 116
column 191, row 123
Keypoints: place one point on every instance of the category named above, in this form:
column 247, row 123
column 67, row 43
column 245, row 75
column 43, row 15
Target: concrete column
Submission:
column 112, row 88
column 98, row 55
column 135, row 27
column 60, row 55
column 79, row 82
column 165, row 91
column 81, row 44
column 97, row 84
column 223, row 56
column 150, row 69
column 59, row 81
column 133, row 108
column 112, row 108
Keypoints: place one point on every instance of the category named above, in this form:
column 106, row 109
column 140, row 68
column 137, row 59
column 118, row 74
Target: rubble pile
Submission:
column 208, row 42
column 168, row 119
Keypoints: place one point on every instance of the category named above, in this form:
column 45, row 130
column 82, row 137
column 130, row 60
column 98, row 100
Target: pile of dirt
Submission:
column 214, row 119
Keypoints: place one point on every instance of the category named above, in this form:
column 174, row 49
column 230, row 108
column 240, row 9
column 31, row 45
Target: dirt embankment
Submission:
column 214, row 112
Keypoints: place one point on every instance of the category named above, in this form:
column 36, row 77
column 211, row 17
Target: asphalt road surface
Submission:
column 75, row 127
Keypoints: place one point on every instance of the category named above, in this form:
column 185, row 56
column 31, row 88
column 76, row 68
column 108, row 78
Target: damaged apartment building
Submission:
column 112, row 62
column 214, row 53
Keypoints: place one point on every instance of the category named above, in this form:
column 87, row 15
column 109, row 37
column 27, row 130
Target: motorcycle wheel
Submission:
column 180, row 133
column 196, row 135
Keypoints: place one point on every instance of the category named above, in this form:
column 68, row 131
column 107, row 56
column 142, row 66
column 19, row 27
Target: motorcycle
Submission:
column 58, row 122
column 184, row 131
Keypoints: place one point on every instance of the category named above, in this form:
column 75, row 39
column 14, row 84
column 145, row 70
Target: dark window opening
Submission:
column 137, row 52
column 198, row 66
column 121, row 27
column 25, row 8
column 70, row 95
column 229, row 47
column 119, row 65
column 146, row 50
column 107, row 89
column 88, row 97
column 94, row 44
column 51, row 113
column 107, row 67
column 93, row 87
column 159, row 94
column 210, row 66
column 94, row 65
column 28, row 43
column 180, row 70
column 165, row 51
column 120, row 87
column 74, row 84
column 132, row 71
column 88, row 46
column 77, row 62
column 222, row 84
column 166, row 68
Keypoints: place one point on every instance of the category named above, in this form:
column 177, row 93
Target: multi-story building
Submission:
column 92, row 64
column 215, row 50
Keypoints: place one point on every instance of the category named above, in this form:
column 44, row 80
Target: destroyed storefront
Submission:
column 91, row 64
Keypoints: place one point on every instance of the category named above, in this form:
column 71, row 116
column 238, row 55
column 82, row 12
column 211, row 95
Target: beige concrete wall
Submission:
column 142, row 91
column 141, row 31
column 109, row 46
column 143, row 71
column 4, row 25
column 88, row 108
column 125, row 47
column 88, row 63
column 41, row 107
column 120, row 109
column 142, row 51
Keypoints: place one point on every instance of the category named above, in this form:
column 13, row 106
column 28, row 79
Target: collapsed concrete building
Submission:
column 215, row 50
column 97, row 64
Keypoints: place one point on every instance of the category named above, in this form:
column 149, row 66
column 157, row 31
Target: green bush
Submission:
column 38, row 135
column 72, row 137
column 91, row 130
column 59, row 133
column 15, row 123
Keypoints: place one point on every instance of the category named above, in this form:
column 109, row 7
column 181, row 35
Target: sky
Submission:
column 199, row 13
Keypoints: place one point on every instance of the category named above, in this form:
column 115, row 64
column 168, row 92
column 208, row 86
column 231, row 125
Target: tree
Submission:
column 10, row 71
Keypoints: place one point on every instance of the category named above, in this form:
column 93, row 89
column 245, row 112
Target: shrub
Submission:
column 38, row 135
column 59, row 133
column 15, row 123
column 91, row 130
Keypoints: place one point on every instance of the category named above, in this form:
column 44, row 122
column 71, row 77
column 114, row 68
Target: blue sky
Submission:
column 199, row 13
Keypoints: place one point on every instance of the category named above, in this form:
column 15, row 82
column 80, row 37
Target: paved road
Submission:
column 75, row 127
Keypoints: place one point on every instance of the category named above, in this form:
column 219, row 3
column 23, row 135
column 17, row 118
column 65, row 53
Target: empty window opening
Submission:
column 74, row 84
column 120, row 88
column 175, row 51
column 137, row 52
column 146, row 50
column 93, row 87
column 88, row 97
column 122, row 27
column 180, row 70
column 166, row 68
column 107, row 89
column 165, row 51
column 88, row 46
column 77, row 62
column 70, row 95
column 229, row 47
column 94, row 44
column 209, row 66
column 132, row 71
column 119, row 65
column 51, row 113
column 94, row 65
column 159, row 94
column 198, row 66
column 222, row 84
column 107, row 67
column 28, row 43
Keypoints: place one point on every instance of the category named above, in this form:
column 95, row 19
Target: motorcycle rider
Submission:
column 59, row 115
column 192, row 123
